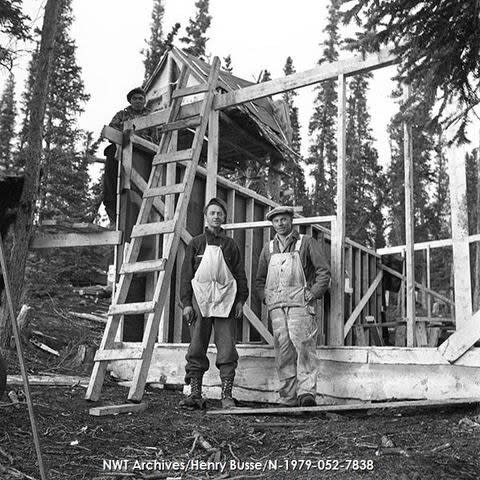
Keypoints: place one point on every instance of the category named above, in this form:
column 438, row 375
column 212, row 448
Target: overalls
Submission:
column 294, row 325
column 214, row 289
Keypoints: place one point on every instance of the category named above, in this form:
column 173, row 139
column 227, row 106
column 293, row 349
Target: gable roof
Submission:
column 263, row 113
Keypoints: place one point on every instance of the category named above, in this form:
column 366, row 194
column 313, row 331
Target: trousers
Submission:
column 224, row 337
column 295, row 340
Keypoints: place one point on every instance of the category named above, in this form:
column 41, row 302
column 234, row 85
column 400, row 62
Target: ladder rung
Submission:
column 166, row 190
column 157, row 228
column 184, row 92
column 178, row 156
column 119, row 354
column 181, row 124
column 143, row 267
column 132, row 308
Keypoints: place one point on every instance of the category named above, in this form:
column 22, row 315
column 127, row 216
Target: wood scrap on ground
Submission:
column 50, row 380
column 89, row 316
column 345, row 407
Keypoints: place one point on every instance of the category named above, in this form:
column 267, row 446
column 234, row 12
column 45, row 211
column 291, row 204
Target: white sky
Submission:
column 258, row 34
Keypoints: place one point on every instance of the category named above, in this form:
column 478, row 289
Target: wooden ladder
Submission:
column 171, row 229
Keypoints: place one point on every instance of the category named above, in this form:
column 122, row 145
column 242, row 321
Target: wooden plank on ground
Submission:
column 49, row 380
column 347, row 407
column 116, row 409
column 462, row 340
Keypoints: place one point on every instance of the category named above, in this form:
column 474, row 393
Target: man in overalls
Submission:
column 213, row 290
column 292, row 273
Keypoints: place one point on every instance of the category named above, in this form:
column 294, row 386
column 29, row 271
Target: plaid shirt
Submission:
column 129, row 114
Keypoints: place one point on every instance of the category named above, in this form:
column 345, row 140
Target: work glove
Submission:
column 239, row 310
column 127, row 134
column 189, row 315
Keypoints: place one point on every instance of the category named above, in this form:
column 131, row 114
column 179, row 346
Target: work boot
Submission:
column 194, row 400
column 227, row 399
column 306, row 400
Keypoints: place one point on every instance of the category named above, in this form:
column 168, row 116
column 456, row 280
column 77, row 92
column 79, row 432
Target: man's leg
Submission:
column 227, row 356
column 303, row 333
column 110, row 182
column 285, row 357
column 197, row 361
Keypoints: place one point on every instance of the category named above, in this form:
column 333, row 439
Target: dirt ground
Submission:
column 167, row 442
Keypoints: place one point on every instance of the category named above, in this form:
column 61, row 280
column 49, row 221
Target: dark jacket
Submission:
column 129, row 113
column 314, row 262
column 193, row 257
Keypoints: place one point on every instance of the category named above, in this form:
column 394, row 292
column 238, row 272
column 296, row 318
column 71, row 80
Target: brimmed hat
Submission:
column 278, row 211
column 133, row 92
column 216, row 201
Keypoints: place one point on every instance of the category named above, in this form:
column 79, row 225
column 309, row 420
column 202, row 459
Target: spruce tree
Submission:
column 437, row 41
column 364, row 177
column 265, row 76
column 423, row 140
column 227, row 66
column 157, row 44
column 196, row 40
column 295, row 177
column 64, row 188
column 13, row 24
column 7, row 126
column 322, row 127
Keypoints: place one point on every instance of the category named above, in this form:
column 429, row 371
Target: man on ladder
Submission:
column 213, row 291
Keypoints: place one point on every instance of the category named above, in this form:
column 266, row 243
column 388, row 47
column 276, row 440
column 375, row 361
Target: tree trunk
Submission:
column 23, row 226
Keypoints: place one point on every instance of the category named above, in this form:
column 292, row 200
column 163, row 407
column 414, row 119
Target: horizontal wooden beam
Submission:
column 112, row 134
column 433, row 293
column 267, row 223
column 346, row 408
column 327, row 71
column 160, row 117
column 66, row 240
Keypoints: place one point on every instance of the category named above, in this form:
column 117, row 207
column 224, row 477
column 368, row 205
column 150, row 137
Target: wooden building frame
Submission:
column 354, row 364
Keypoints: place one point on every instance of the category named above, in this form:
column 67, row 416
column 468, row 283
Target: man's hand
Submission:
column 189, row 315
column 308, row 295
column 127, row 134
column 239, row 310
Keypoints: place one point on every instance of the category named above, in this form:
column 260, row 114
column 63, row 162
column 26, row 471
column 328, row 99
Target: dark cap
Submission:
column 216, row 201
column 279, row 211
column 133, row 92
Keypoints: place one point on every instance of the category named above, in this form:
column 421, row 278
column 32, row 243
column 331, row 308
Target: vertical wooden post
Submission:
column 461, row 250
column 212, row 156
column 335, row 331
column 429, row 282
column 409, row 229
